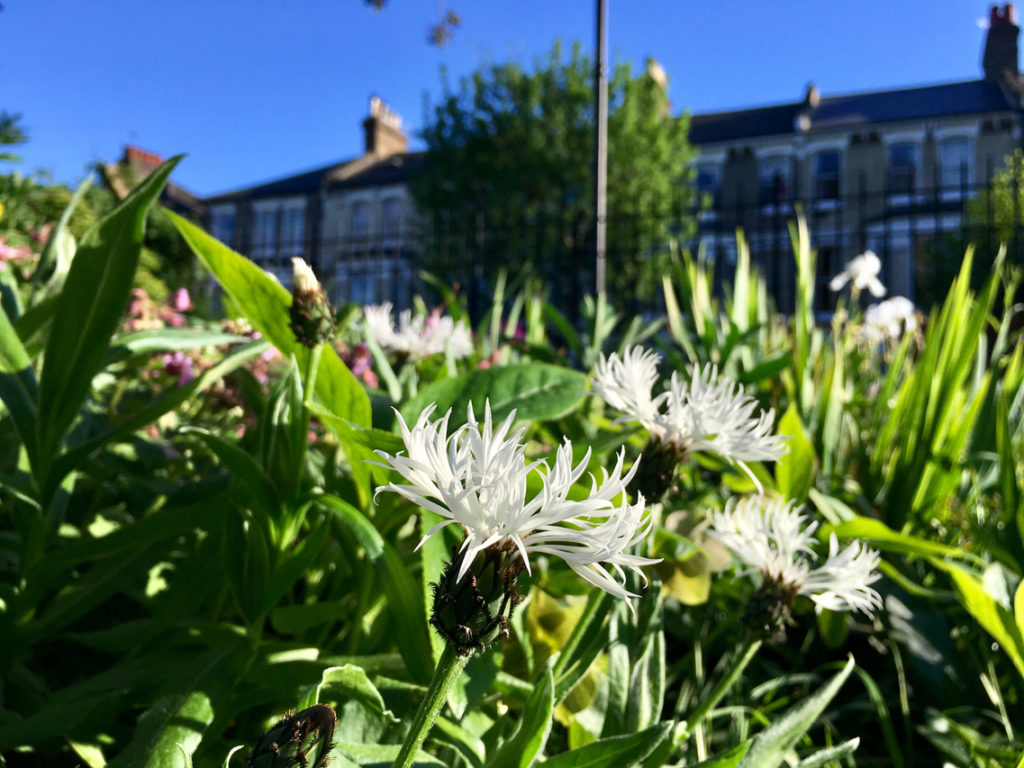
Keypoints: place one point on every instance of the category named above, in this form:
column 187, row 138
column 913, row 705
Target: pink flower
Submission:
column 13, row 252
column 180, row 365
column 181, row 301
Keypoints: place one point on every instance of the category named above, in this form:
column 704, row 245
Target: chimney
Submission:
column 140, row 162
column 384, row 135
column 1000, row 57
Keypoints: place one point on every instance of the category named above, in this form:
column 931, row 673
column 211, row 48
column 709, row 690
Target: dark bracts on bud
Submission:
column 657, row 472
column 313, row 319
column 472, row 613
column 300, row 740
column 769, row 611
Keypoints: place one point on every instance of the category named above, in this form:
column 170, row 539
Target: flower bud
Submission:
column 473, row 612
column 312, row 316
column 300, row 740
column 769, row 610
column 657, row 472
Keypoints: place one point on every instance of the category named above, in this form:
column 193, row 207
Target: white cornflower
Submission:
column 888, row 320
column 862, row 271
column 419, row 336
column 706, row 413
column 477, row 477
column 772, row 536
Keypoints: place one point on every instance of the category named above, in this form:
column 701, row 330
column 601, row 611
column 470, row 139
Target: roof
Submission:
column 376, row 172
column 299, row 184
column 929, row 101
column 365, row 171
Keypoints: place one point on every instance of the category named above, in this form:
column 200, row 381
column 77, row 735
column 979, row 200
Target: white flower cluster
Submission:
column 862, row 273
column 888, row 320
column 706, row 413
column 477, row 477
column 772, row 536
column 419, row 336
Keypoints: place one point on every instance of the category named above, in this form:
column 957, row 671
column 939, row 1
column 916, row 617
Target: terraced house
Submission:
column 887, row 170
column 352, row 220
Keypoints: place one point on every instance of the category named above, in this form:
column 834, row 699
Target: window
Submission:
column 954, row 165
column 774, row 181
column 223, row 227
column 709, row 182
column 293, row 233
column 264, row 233
column 391, row 216
column 902, row 168
column 826, row 175
column 360, row 220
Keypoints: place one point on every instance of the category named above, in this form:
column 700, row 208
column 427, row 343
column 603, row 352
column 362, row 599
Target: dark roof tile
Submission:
column 929, row 101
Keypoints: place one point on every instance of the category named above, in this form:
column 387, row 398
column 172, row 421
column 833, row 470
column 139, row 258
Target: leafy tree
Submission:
column 11, row 133
column 507, row 177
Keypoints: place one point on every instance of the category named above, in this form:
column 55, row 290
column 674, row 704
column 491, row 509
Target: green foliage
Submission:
column 511, row 151
column 182, row 561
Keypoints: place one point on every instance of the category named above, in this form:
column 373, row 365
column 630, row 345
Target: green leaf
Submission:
column 405, row 606
column 613, row 752
column 174, row 721
column 266, row 305
column 877, row 533
column 377, row 755
column 728, row 759
column 527, row 741
column 771, row 745
column 89, row 309
column 535, row 391
column 346, row 682
column 170, row 339
column 830, row 755
column 243, row 467
column 647, row 685
column 795, row 470
column 150, row 413
column 994, row 618
column 18, row 388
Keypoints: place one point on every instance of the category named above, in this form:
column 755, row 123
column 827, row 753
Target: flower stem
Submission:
column 449, row 667
column 745, row 654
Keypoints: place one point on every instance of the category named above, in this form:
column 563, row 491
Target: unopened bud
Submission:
column 312, row 316
column 303, row 279
column 657, row 472
column 300, row 740
column 473, row 612
column 769, row 610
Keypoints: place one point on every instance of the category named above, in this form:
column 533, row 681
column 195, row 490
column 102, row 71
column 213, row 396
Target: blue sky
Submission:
column 252, row 89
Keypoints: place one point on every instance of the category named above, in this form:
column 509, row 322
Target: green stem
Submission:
column 449, row 667
column 743, row 658
column 308, row 387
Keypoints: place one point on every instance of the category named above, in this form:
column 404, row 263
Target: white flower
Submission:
column 772, row 536
column 477, row 477
column 888, row 320
column 703, row 414
column 419, row 336
column 303, row 279
column 863, row 271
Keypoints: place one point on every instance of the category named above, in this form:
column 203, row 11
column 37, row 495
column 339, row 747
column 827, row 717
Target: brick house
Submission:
column 886, row 170
column 350, row 219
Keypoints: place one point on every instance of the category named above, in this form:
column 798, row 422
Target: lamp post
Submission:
column 601, row 144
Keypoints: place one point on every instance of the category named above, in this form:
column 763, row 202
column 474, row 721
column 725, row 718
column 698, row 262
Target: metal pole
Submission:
column 601, row 144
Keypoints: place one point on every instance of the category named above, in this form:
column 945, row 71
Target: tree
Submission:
column 507, row 174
